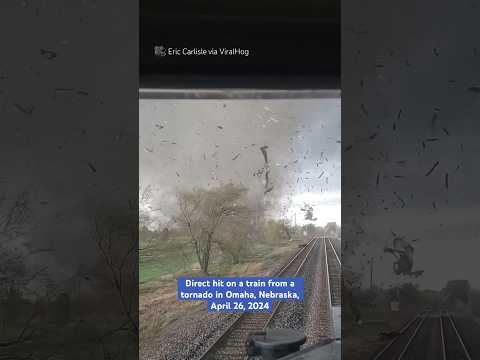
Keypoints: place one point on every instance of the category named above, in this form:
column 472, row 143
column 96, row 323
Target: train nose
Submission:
column 273, row 344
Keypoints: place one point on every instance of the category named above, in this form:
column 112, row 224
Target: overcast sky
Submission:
column 204, row 143
column 411, row 122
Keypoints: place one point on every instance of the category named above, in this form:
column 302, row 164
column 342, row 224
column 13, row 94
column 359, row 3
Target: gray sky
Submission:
column 204, row 143
column 409, row 107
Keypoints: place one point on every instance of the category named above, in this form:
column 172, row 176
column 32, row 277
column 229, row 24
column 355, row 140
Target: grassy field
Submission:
column 167, row 257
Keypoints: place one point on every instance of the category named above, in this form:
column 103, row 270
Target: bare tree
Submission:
column 15, row 275
column 202, row 212
column 117, row 241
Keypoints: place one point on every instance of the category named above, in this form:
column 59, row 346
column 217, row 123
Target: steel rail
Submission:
column 225, row 333
column 459, row 337
column 410, row 340
column 442, row 338
column 394, row 340
column 277, row 306
column 282, row 270
column 335, row 252
column 327, row 277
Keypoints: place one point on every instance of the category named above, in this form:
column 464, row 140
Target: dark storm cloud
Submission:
column 414, row 86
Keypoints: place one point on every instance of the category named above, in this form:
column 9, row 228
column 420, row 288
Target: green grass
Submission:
column 165, row 258
column 170, row 258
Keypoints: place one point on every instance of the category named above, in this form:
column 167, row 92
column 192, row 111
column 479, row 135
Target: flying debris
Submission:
column 265, row 170
column 263, row 149
column 364, row 110
column 268, row 190
column 25, row 109
column 48, row 54
column 259, row 172
column 432, row 169
column 399, row 114
column 435, row 116
column 308, row 209
column 403, row 252
column 58, row 91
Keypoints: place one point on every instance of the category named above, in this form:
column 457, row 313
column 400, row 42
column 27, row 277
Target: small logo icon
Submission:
column 160, row 51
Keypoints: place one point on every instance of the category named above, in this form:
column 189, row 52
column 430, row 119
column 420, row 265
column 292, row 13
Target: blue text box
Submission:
column 227, row 293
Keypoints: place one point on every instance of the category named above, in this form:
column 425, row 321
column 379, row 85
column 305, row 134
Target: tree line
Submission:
column 226, row 219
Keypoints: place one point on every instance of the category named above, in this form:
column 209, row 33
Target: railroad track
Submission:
column 333, row 276
column 427, row 336
column 453, row 346
column 334, row 268
column 231, row 344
